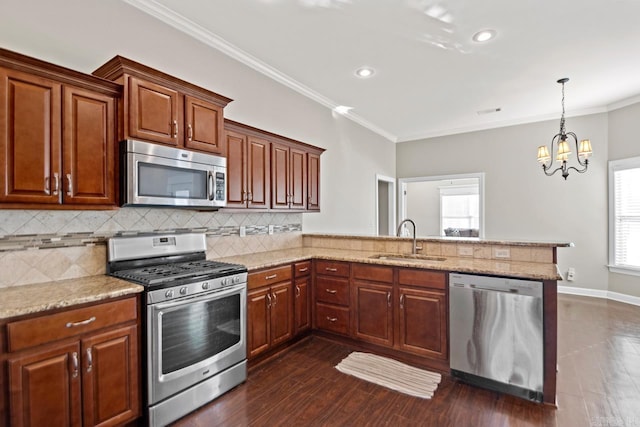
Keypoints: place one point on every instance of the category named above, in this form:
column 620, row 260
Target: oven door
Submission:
column 154, row 180
column 192, row 339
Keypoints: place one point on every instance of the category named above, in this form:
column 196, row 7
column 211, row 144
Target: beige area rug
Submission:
column 391, row 374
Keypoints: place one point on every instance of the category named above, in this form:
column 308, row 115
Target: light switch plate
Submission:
column 243, row 231
column 503, row 253
column 270, row 229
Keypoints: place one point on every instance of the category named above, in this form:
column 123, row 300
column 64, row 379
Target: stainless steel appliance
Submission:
column 159, row 175
column 194, row 328
column 496, row 333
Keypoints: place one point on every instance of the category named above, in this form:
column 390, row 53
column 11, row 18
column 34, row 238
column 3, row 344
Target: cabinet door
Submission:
column 88, row 147
column 155, row 112
column 302, row 304
column 279, row 176
column 204, row 124
column 110, row 377
column 30, row 138
column 258, row 321
column 258, row 173
column 298, row 179
column 423, row 322
column 313, row 182
column 236, row 169
column 45, row 387
column 281, row 313
column 373, row 320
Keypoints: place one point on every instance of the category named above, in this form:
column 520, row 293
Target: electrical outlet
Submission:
column 571, row 274
column 502, row 253
column 243, row 231
column 270, row 229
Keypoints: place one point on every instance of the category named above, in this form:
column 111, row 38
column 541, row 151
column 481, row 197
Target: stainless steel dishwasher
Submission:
column 496, row 333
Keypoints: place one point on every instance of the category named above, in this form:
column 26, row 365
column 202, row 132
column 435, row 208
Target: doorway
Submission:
column 385, row 205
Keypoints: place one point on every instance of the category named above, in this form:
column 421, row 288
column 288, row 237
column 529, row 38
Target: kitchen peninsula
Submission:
column 349, row 293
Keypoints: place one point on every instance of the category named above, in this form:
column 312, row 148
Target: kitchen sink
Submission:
column 407, row 257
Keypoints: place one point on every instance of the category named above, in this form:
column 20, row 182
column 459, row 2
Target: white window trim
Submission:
column 617, row 165
column 456, row 190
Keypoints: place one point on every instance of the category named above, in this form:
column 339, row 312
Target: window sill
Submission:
column 631, row 271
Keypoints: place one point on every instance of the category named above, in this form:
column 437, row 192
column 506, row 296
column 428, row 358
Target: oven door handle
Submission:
column 200, row 298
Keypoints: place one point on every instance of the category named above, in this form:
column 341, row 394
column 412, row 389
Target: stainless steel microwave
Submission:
column 157, row 175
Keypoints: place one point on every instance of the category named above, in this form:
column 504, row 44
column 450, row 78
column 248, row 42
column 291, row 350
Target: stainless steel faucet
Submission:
column 414, row 249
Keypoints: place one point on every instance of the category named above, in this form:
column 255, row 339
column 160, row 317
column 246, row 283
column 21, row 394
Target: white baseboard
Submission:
column 596, row 293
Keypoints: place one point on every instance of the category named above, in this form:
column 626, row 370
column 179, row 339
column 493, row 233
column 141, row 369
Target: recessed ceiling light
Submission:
column 365, row 72
column 342, row 109
column 484, row 36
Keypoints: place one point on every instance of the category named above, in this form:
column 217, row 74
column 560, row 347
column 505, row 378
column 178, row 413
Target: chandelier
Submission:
column 562, row 148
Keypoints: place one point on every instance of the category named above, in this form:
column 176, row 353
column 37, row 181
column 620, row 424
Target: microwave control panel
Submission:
column 220, row 186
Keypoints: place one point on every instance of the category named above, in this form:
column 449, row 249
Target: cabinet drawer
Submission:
column 48, row 328
column 332, row 290
column 373, row 273
column 268, row 277
column 332, row 268
column 302, row 269
column 422, row 278
column 332, row 318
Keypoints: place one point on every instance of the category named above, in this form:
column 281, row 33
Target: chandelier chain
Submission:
column 562, row 129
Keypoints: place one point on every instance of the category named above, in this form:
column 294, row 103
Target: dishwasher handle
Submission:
column 505, row 290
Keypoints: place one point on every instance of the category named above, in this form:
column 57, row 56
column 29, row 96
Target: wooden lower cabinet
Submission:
column 270, row 314
column 302, row 305
column 423, row 322
column 92, row 380
column 373, row 313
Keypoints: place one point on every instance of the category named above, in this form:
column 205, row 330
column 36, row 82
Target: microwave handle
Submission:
column 210, row 185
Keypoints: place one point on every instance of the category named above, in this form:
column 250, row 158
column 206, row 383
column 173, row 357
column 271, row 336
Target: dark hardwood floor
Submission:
column 598, row 385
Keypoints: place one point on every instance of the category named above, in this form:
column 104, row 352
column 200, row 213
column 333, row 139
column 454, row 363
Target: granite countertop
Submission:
column 28, row 299
column 527, row 270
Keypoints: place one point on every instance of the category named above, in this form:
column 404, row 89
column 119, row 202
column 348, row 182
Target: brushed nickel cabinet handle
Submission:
column 275, row 299
column 47, row 189
column 297, row 291
column 89, row 360
column 69, row 185
column 273, row 276
column 175, row 128
column 268, row 300
column 250, row 197
column 388, row 299
column 331, row 291
column 333, row 270
column 190, row 131
column 332, row 319
column 82, row 323
column 75, row 363
column 56, row 183
column 302, row 270
column 402, row 301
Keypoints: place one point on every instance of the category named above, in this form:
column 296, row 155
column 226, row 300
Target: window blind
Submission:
column 626, row 218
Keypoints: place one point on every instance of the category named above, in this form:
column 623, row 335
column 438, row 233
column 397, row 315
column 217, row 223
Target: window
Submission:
column 624, row 216
column 459, row 210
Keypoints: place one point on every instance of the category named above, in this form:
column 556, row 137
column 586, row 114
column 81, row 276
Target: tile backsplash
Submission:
column 39, row 246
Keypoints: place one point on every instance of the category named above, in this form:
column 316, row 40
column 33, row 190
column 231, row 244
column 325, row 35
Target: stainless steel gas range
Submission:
column 194, row 328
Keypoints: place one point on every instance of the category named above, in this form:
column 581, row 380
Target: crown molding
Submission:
column 496, row 125
column 179, row 22
column 623, row 103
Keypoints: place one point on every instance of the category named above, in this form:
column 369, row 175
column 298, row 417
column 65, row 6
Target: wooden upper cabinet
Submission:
column 204, row 125
column 247, row 170
column 164, row 109
column 30, row 138
column 313, row 183
column 279, row 176
column 153, row 112
column 57, row 136
column 89, row 147
column 298, row 179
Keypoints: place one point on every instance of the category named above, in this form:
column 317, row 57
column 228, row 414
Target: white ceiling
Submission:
column 431, row 78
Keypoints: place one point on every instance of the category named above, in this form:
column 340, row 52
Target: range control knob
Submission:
column 169, row 293
column 224, row 281
column 183, row 290
column 235, row 280
column 205, row 285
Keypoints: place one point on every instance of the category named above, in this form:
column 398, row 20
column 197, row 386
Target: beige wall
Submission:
column 521, row 203
column 87, row 34
column 624, row 128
